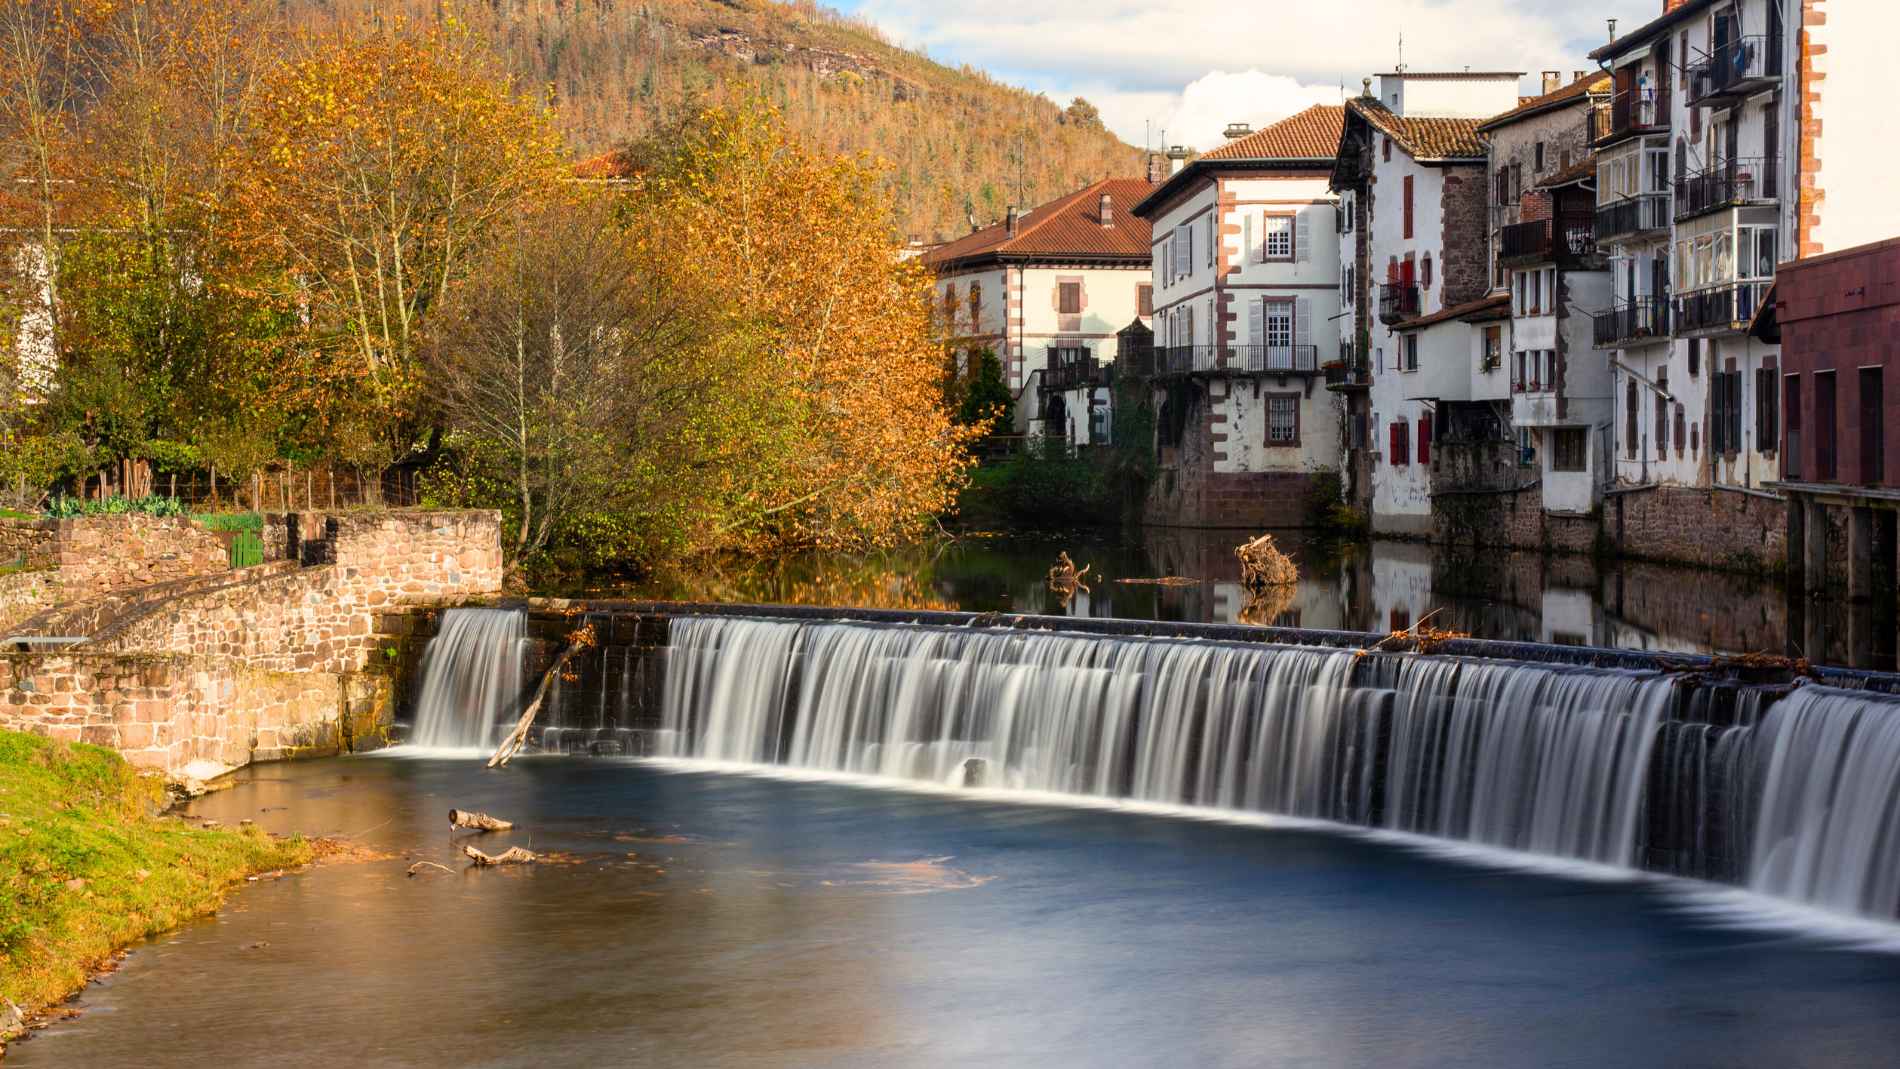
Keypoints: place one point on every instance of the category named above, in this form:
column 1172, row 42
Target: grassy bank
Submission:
column 87, row 865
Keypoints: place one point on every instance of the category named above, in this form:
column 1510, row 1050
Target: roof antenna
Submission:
column 1401, row 67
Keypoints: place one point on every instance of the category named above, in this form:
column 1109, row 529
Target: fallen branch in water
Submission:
column 514, row 855
column 1166, row 580
column 581, row 638
column 462, row 818
column 421, row 865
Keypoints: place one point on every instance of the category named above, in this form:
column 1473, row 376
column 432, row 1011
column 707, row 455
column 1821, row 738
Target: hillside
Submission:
column 959, row 143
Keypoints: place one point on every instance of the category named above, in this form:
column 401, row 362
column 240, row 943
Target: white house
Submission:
column 1247, row 284
column 1047, row 291
column 1411, row 170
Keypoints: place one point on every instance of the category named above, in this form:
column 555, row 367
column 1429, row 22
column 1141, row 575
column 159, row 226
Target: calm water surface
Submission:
column 1376, row 586
column 715, row 919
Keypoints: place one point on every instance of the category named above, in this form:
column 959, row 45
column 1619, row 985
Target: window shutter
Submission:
column 1301, row 238
column 1257, row 320
column 1253, row 251
column 1408, row 207
column 1396, row 432
column 1425, row 438
column 1303, row 321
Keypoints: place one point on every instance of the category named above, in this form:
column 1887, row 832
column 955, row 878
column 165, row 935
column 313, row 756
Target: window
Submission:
column 1630, row 433
column 1425, row 438
column 1283, row 419
column 1409, row 345
column 1767, row 408
column 1425, row 272
column 1682, row 435
column 1279, row 323
column 1400, row 446
column 1408, row 207
column 1388, row 150
column 1695, row 356
column 1771, row 149
column 1346, row 212
column 1069, row 298
column 1278, row 241
column 1493, row 348
column 1725, row 417
column 1504, row 189
column 1210, row 240
column 1662, row 418
column 1145, row 299
column 1538, row 162
column 1569, row 449
column 976, row 306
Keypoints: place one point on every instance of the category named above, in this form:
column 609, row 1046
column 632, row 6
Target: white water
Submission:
column 1529, row 757
column 471, row 679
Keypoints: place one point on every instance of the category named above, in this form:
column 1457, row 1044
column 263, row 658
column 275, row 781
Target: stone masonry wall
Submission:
column 165, row 712
column 28, row 542
column 98, row 554
column 25, row 594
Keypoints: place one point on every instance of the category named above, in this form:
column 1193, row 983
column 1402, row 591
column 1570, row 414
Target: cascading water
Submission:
column 1827, row 827
column 1798, row 797
column 471, row 678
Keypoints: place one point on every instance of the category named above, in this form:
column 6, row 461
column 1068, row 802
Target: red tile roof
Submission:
column 1424, row 138
column 1594, row 82
column 1582, row 170
column 608, row 166
column 1312, row 134
column 1067, row 227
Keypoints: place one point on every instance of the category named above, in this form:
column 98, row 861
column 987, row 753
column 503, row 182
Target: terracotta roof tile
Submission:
column 1579, row 171
column 1066, row 226
column 1312, row 134
column 1595, row 81
column 1425, row 138
column 608, row 166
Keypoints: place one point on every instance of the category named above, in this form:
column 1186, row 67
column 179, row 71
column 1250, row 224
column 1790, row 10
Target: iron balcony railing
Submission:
column 1642, row 214
column 1630, row 112
column 1632, row 322
column 1525, row 241
column 1347, row 376
column 1076, row 375
column 1741, row 67
column 1186, row 359
column 1398, row 301
column 1731, row 182
column 1261, row 359
column 1729, row 307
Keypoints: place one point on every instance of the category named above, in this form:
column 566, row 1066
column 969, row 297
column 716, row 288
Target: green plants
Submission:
column 66, row 508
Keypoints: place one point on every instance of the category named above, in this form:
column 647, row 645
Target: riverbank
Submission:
column 89, row 865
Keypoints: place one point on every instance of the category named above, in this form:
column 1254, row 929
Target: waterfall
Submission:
column 470, row 678
column 1532, row 757
column 1827, row 827
column 1794, row 794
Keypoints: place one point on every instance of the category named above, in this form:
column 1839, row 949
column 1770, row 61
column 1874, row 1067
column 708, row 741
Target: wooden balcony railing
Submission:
column 1643, row 319
column 1644, row 213
column 1629, row 114
column 1523, row 242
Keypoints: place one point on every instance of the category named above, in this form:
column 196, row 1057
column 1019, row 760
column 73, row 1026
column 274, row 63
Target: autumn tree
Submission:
column 828, row 327
column 379, row 170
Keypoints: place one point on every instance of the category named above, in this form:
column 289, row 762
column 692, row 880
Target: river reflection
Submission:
column 1377, row 586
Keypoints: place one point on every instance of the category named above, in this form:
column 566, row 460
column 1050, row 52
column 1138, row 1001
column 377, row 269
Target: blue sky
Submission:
column 1192, row 66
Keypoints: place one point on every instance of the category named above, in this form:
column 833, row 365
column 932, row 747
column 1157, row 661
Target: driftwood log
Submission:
column 514, row 855
column 1262, row 565
column 582, row 638
column 1065, row 570
column 462, row 818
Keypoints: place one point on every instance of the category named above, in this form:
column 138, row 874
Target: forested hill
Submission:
column 959, row 143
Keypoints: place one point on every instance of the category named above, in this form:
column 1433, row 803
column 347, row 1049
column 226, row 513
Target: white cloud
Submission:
column 1152, row 61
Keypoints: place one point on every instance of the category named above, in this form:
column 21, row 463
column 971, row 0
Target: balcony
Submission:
column 1398, row 301
column 1725, row 185
column 1735, row 70
column 1725, row 308
column 1274, row 359
column 1631, row 323
column 1077, row 375
column 1348, row 376
column 1525, row 243
column 1629, row 115
column 1185, row 359
column 1645, row 213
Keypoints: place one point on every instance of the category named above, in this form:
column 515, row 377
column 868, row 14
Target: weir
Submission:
column 1727, row 772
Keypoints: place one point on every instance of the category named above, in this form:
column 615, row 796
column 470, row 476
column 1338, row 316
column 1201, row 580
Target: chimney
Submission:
column 1236, row 130
column 1009, row 221
column 1157, row 168
column 1177, row 158
column 1577, row 76
column 1553, row 81
column 1671, row 5
column 1107, row 216
column 1613, row 27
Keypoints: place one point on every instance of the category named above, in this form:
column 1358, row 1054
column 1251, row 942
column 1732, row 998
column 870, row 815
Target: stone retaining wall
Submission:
column 164, row 712
column 26, row 594
column 99, row 554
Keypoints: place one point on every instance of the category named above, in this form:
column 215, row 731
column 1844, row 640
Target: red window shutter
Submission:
column 1396, row 432
column 1408, row 206
column 1425, row 438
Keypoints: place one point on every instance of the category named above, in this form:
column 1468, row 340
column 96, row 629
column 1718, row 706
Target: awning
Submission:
column 1630, row 57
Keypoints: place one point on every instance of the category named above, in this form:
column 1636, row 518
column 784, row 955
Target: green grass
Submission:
column 16, row 514
column 87, row 867
column 229, row 521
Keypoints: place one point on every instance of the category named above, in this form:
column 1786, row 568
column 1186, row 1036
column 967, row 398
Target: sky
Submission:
column 1190, row 67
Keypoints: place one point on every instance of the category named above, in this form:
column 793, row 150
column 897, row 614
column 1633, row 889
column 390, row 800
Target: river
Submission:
column 706, row 919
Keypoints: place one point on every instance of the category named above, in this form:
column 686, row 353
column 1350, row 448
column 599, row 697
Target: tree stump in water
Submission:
column 1263, row 566
column 514, row 855
column 462, row 818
